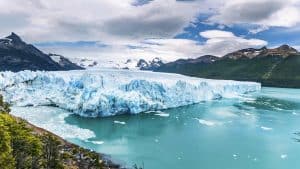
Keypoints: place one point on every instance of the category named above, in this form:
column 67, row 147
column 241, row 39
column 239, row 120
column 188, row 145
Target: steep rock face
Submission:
column 110, row 92
column 16, row 55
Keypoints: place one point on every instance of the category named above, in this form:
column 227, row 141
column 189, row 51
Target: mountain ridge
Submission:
column 17, row 55
column 277, row 67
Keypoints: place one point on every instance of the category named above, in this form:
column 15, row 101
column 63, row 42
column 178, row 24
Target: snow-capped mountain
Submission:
column 16, row 55
column 64, row 62
column 282, row 51
column 277, row 67
column 132, row 63
column 108, row 92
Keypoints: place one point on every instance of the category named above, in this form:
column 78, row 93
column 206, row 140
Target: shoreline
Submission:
column 104, row 159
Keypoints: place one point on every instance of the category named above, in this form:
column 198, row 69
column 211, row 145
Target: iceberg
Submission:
column 108, row 92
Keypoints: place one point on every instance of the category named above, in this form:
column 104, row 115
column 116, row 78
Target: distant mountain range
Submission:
column 278, row 67
column 16, row 55
column 132, row 64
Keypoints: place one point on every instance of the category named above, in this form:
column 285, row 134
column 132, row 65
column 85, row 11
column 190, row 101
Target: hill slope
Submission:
column 279, row 67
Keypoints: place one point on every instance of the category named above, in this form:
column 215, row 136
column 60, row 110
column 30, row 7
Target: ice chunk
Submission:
column 96, row 142
column 208, row 122
column 162, row 114
column 119, row 122
column 94, row 93
column 266, row 128
column 53, row 121
column 283, row 156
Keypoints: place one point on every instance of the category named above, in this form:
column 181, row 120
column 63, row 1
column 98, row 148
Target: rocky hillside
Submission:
column 16, row 55
column 279, row 67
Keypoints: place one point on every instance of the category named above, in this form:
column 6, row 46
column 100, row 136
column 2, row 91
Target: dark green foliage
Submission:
column 21, row 147
column 26, row 148
column 51, row 156
column 4, row 107
column 270, row 70
column 6, row 157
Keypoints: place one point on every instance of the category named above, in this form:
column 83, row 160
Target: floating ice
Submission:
column 208, row 122
column 53, row 121
column 119, row 122
column 94, row 93
column 283, row 156
column 97, row 142
column 266, row 128
column 162, row 114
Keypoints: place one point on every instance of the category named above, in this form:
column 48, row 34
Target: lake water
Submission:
column 253, row 132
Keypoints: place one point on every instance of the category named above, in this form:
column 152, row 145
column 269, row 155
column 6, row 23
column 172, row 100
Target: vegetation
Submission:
column 23, row 146
column 270, row 70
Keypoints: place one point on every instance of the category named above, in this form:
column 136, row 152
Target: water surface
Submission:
column 256, row 131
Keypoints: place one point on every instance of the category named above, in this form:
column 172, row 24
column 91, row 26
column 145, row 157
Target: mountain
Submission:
column 120, row 63
column 282, row 51
column 278, row 67
column 16, row 55
column 150, row 65
column 64, row 62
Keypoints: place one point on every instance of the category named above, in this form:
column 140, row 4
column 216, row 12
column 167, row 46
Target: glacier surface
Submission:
column 108, row 92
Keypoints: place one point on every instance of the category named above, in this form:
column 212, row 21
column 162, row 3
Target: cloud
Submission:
column 217, row 43
column 109, row 21
column 222, row 42
column 139, row 28
column 140, row 2
column 216, row 34
column 263, row 13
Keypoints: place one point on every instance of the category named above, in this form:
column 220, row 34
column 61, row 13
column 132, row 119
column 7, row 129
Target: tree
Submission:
column 51, row 155
column 6, row 158
column 4, row 107
column 26, row 147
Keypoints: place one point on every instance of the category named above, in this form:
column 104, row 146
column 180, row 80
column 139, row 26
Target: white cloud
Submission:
column 263, row 13
column 150, row 26
column 222, row 42
column 116, row 21
column 218, row 43
column 216, row 34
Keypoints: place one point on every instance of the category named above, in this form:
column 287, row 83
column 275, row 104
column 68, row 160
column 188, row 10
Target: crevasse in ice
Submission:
column 94, row 93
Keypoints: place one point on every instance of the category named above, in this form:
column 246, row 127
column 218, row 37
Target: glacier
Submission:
column 107, row 92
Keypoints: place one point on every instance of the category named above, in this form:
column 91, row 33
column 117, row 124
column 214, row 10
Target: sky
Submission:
column 168, row 29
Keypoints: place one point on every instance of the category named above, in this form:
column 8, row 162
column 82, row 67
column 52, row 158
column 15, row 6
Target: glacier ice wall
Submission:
column 110, row 92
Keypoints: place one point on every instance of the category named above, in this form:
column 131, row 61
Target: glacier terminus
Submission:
column 108, row 92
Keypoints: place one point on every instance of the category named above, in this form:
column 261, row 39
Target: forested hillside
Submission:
column 23, row 146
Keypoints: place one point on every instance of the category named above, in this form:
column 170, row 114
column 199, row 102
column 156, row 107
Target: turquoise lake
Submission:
column 257, row 131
